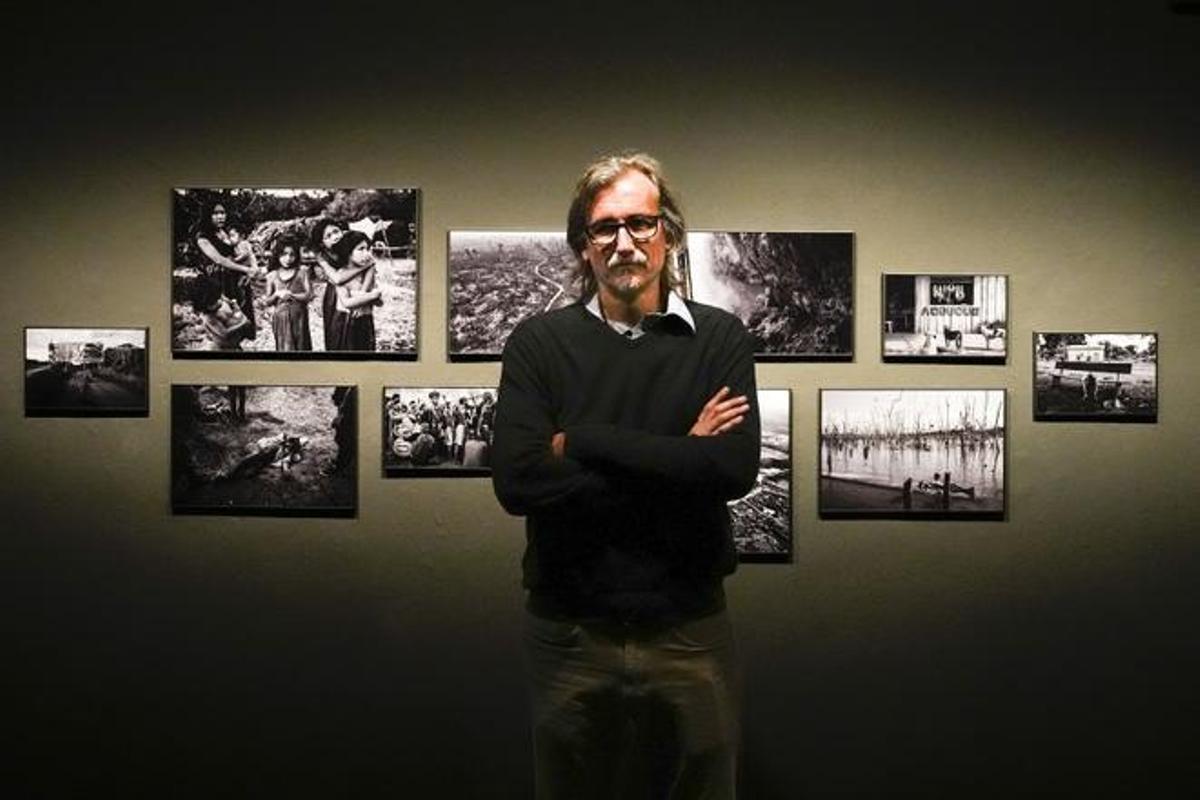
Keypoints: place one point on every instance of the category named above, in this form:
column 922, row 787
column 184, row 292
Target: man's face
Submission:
column 626, row 268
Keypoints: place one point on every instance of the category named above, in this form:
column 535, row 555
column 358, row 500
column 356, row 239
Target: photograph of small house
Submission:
column 945, row 318
column 1096, row 377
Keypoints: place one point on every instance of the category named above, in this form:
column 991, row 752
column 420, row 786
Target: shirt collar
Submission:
column 675, row 307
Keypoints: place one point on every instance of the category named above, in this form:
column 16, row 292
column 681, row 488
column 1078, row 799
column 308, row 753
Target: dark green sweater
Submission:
column 632, row 525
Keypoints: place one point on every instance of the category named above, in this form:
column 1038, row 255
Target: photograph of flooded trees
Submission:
column 1095, row 377
column 793, row 291
column 438, row 431
column 762, row 520
column 86, row 372
column 264, row 450
column 498, row 278
column 294, row 273
column 912, row 453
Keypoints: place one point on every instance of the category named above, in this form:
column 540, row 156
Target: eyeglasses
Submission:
column 641, row 227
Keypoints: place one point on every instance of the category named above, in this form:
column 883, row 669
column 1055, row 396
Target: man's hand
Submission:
column 720, row 413
column 558, row 445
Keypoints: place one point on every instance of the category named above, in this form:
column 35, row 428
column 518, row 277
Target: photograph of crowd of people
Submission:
column 294, row 273
column 86, row 372
column 762, row 520
column 945, row 318
column 793, row 291
column 904, row 453
column 264, row 450
column 498, row 278
column 1095, row 377
column 437, row 431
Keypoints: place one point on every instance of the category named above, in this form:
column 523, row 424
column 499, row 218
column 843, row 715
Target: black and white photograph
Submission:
column 440, row 431
column 86, row 372
column 953, row 319
column 498, row 278
column 762, row 520
column 264, row 450
column 1095, row 377
column 294, row 274
column 793, row 291
column 912, row 453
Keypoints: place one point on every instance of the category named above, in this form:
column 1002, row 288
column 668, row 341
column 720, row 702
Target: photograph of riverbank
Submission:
column 86, row 372
column 1095, row 377
column 264, row 450
column 294, row 274
column 762, row 520
column 444, row 431
column 954, row 319
column 793, row 291
column 912, row 453
column 498, row 278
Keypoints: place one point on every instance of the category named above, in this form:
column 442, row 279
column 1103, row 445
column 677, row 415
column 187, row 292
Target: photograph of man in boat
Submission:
column 1095, row 377
column 903, row 453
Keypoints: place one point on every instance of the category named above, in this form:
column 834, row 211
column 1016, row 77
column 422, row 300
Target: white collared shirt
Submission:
column 675, row 307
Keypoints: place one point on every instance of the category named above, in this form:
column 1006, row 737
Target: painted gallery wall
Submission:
column 252, row 656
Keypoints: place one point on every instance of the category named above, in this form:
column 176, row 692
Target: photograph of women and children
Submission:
column 294, row 273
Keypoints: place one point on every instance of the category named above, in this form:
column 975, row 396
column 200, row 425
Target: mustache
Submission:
column 619, row 262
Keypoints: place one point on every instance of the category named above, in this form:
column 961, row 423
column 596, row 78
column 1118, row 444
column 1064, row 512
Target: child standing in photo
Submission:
column 289, row 289
column 354, row 320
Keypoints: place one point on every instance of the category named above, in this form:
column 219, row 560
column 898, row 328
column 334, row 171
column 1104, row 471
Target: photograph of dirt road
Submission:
column 497, row 279
column 86, row 372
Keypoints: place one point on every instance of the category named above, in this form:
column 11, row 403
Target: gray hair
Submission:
column 601, row 174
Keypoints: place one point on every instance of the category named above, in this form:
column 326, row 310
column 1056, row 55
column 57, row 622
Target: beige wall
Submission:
column 1056, row 146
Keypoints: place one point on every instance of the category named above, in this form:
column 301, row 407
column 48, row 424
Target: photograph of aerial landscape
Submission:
column 296, row 274
column 793, row 291
column 762, row 520
column 1095, row 377
column 438, row 431
column 264, row 450
column 86, row 372
column 959, row 319
column 912, row 453
column 498, row 278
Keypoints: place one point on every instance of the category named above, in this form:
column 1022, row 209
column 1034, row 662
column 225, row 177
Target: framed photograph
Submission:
column 762, row 520
column 912, row 453
column 498, row 278
column 264, row 450
column 87, row 372
column 793, row 291
column 294, row 273
column 1095, row 377
column 951, row 319
column 438, row 431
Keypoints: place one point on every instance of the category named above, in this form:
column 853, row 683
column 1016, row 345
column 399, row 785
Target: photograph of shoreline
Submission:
column 762, row 520
column 912, row 453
